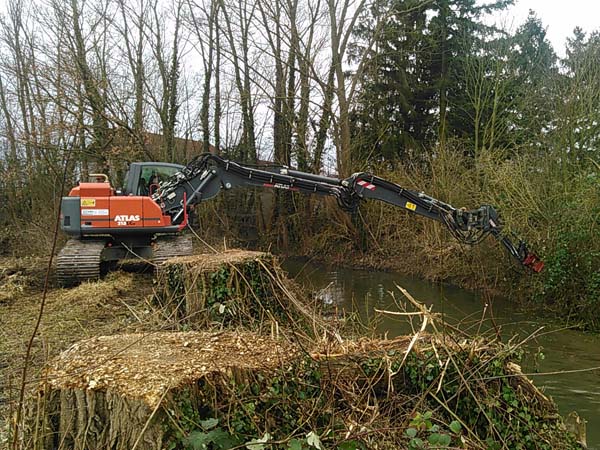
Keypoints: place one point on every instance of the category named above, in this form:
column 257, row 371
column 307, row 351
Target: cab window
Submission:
column 152, row 176
column 125, row 182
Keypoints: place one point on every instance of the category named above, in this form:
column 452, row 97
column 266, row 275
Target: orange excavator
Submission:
column 147, row 216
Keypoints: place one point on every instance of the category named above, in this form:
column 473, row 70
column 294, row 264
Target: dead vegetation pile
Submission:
column 20, row 275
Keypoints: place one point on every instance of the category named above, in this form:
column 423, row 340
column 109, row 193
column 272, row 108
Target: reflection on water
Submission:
column 563, row 349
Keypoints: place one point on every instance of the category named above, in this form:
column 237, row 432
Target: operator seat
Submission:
column 154, row 183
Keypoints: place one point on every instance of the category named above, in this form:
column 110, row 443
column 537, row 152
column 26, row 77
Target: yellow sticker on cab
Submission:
column 411, row 206
column 87, row 202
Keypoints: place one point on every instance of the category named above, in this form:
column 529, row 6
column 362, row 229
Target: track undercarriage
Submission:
column 83, row 259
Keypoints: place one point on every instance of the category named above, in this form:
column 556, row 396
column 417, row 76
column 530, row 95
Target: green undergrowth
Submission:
column 572, row 278
column 439, row 397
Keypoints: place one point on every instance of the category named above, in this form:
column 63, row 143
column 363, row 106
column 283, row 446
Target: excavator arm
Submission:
column 467, row 226
column 207, row 174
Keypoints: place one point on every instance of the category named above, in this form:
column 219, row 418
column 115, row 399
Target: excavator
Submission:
column 147, row 217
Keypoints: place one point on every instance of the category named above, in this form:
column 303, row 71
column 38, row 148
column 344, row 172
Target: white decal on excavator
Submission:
column 94, row 212
column 124, row 218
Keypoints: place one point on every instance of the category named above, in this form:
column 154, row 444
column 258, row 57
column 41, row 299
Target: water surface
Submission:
column 563, row 349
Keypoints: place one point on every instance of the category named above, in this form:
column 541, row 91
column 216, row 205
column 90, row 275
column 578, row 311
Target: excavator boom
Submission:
column 207, row 174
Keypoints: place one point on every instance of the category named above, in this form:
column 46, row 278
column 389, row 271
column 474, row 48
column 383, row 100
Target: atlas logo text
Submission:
column 124, row 218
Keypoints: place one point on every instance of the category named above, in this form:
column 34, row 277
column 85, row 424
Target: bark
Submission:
column 305, row 61
column 172, row 104
column 135, row 59
column 165, row 102
column 207, row 48
column 208, row 67
column 444, row 72
column 324, row 121
column 246, row 20
column 289, row 111
column 21, row 69
column 217, row 112
column 274, row 38
column 82, row 419
column 10, row 130
column 304, row 50
column 340, row 36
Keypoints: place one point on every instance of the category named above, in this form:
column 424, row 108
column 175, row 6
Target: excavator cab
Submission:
column 143, row 178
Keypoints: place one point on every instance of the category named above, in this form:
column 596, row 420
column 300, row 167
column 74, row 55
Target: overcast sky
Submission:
column 559, row 17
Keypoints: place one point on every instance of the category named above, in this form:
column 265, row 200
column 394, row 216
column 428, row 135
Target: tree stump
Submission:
column 129, row 392
column 235, row 288
column 232, row 389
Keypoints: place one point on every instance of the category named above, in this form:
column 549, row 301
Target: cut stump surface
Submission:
column 146, row 366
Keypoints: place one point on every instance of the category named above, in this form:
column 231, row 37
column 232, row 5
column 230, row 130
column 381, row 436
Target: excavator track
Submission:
column 166, row 247
column 79, row 261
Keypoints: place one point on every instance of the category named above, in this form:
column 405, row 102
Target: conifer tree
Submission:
column 413, row 84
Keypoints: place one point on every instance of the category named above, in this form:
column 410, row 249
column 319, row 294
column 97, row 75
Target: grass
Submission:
column 116, row 304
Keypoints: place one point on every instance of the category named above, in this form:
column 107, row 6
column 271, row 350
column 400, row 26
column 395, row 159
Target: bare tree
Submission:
column 217, row 110
column 341, row 25
column 241, row 65
column 135, row 58
column 205, row 36
column 91, row 89
column 10, row 129
column 272, row 22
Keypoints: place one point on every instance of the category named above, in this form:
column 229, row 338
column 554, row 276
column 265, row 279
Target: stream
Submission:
column 563, row 349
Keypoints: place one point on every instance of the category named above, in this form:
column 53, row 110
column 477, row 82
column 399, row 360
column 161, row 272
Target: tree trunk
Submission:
column 217, row 113
column 324, row 121
column 443, row 85
column 92, row 93
column 340, row 36
column 208, row 69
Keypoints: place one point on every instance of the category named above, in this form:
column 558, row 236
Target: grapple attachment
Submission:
column 533, row 262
